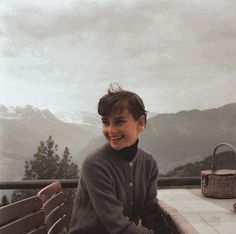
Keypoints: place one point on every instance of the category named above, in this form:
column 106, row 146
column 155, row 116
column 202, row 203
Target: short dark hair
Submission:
column 117, row 99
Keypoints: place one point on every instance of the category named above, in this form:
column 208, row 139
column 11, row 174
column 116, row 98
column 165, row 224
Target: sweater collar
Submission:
column 128, row 153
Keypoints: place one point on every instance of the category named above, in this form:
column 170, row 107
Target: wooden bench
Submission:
column 25, row 216
column 41, row 214
column 52, row 198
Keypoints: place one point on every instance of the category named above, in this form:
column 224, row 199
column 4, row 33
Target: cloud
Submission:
column 169, row 49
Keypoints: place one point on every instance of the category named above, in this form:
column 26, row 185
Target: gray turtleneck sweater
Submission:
column 115, row 191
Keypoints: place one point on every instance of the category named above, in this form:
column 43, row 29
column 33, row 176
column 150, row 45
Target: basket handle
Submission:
column 214, row 153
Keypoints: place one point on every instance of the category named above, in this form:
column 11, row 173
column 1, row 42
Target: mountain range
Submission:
column 222, row 160
column 189, row 136
column 22, row 129
column 173, row 139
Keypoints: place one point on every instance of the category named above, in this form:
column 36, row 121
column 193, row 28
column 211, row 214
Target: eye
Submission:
column 119, row 122
column 105, row 122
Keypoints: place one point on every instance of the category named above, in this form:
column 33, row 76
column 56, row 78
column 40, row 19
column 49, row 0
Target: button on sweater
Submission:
column 115, row 191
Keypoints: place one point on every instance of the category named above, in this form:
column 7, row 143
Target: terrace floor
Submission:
column 206, row 215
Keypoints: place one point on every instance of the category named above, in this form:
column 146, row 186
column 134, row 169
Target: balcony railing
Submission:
column 163, row 182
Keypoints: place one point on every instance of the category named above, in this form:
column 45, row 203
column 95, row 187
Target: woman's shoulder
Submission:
column 148, row 162
column 145, row 155
column 98, row 155
column 147, row 158
column 95, row 165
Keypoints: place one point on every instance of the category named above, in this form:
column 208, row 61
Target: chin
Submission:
column 116, row 147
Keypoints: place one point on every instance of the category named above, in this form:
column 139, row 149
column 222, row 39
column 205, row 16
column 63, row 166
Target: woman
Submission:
column 118, row 183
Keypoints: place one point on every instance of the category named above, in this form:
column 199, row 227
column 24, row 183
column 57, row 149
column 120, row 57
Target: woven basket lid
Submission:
column 225, row 172
column 219, row 172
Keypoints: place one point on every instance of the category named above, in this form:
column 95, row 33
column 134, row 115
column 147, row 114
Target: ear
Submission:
column 141, row 124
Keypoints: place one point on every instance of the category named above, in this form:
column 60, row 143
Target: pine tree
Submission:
column 46, row 164
column 67, row 169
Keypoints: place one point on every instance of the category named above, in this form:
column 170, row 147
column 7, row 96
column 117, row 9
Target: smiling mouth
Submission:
column 115, row 138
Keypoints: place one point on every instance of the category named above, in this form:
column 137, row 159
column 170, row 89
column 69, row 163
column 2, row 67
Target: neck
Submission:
column 128, row 153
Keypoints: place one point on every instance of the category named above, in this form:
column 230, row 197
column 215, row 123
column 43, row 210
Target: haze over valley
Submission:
column 174, row 139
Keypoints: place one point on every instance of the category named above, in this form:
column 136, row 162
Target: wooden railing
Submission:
column 163, row 182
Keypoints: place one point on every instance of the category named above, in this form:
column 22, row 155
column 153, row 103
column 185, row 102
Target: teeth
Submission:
column 116, row 138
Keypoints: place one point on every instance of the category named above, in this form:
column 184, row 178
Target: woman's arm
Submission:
column 151, row 215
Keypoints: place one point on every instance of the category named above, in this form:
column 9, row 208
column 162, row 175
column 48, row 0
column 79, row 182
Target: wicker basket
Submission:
column 219, row 183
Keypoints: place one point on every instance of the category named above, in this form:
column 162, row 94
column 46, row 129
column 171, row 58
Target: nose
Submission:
column 111, row 129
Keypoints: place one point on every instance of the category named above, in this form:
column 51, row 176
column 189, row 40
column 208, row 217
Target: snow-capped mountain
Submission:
column 22, row 129
column 79, row 117
column 26, row 112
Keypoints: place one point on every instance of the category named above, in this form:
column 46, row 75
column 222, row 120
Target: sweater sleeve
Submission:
column 151, row 215
column 109, row 209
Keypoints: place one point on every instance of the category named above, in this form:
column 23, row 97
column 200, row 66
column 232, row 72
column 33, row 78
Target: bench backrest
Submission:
column 24, row 216
column 52, row 198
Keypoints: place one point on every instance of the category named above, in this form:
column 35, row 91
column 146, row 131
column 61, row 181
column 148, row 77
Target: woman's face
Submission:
column 121, row 129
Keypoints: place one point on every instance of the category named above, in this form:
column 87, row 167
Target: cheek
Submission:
column 104, row 131
column 133, row 133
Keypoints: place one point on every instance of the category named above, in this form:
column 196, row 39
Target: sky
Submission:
column 62, row 55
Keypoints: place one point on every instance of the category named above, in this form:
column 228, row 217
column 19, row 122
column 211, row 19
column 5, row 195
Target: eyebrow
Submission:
column 121, row 117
